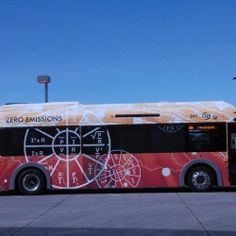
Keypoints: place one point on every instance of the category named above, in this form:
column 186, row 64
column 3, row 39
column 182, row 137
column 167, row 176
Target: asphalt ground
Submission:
column 109, row 213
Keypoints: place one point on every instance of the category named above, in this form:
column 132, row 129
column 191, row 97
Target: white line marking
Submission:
column 25, row 151
column 55, row 145
column 111, row 175
column 127, row 161
column 46, row 134
column 45, row 158
column 94, row 145
column 113, row 161
column 81, row 169
column 85, row 135
column 117, row 173
column 38, row 146
column 93, row 159
column 130, row 183
column 120, row 156
column 104, row 177
column 108, row 183
column 54, row 168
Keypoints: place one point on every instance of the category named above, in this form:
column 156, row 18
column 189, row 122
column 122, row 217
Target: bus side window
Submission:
column 206, row 138
column 233, row 141
column 2, row 143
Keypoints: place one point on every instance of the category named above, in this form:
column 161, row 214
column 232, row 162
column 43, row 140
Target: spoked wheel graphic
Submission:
column 70, row 154
column 122, row 171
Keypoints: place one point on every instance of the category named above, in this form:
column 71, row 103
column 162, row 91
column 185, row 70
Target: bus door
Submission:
column 232, row 152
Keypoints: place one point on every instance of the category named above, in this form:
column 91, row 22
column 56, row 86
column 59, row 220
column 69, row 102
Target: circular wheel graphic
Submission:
column 122, row 171
column 70, row 154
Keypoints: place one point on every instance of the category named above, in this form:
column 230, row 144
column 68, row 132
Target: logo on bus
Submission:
column 170, row 128
column 208, row 116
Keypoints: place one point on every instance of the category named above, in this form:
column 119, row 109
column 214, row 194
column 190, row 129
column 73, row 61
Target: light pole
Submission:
column 44, row 79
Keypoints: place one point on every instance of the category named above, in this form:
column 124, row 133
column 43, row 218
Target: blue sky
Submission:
column 118, row 51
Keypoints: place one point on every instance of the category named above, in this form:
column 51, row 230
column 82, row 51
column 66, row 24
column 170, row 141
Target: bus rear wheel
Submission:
column 200, row 179
column 31, row 182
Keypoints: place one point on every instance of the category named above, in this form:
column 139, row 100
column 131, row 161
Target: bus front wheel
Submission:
column 31, row 182
column 200, row 179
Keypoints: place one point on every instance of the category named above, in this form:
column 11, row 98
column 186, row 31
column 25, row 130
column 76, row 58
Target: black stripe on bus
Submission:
column 136, row 115
column 138, row 138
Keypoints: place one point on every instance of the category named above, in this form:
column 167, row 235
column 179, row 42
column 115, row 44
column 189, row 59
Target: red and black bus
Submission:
column 76, row 146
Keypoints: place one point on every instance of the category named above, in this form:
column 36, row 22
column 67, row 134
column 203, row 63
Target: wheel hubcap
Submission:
column 201, row 180
column 31, row 182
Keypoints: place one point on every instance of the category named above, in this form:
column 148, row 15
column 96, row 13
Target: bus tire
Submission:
column 31, row 182
column 200, row 179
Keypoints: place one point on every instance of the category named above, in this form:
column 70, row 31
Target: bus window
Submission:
column 233, row 141
column 205, row 138
column 148, row 138
column 2, row 142
column 13, row 141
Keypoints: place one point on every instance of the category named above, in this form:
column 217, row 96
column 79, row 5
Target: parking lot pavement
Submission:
column 155, row 213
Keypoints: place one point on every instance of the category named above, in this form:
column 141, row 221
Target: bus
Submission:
column 68, row 145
